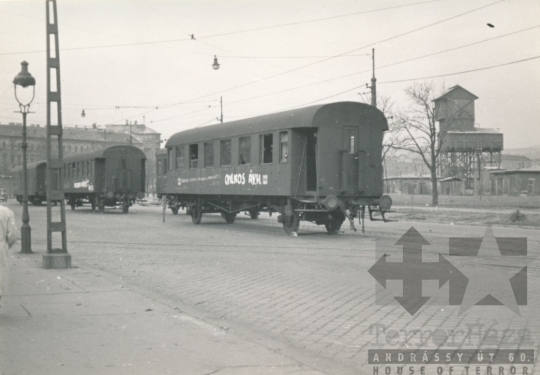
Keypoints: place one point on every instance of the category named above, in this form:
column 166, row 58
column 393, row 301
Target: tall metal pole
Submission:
column 56, row 257
column 221, row 104
column 26, row 239
column 373, row 82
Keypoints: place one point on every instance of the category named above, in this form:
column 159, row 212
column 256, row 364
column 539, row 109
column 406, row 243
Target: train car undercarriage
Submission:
column 330, row 211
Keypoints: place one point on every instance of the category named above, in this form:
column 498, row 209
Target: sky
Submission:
column 124, row 60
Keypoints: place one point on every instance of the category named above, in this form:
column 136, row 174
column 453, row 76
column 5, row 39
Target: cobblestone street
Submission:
column 310, row 295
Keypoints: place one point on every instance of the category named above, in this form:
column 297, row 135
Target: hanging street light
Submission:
column 215, row 65
column 21, row 82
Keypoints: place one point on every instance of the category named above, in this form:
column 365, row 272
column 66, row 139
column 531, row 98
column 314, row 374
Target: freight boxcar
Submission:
column 112, row 176
column 36, row 182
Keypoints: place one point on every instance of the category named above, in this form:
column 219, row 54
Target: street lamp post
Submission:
column 24, row 79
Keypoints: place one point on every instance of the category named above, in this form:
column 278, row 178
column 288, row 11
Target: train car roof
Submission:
column 28, row 165
column 295, row 118
column 98, row 154
column 161, row 151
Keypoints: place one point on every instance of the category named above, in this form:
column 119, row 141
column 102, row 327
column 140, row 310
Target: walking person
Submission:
column 8, row 237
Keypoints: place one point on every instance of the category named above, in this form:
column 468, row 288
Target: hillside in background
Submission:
column 532, row 152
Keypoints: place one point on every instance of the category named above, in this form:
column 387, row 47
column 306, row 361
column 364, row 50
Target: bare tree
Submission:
column 417, row 129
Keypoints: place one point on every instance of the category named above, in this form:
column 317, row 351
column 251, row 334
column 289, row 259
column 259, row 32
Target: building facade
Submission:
column 525, row 181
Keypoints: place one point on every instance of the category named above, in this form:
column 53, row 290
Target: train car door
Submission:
column 99, row 175
column 311, row 161
column 123, row 175
column 350, row 159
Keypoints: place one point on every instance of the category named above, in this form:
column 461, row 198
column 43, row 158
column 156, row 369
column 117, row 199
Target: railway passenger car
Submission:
column 106, row 177
column 320, row 164
column 36, row 182
column 109, row 176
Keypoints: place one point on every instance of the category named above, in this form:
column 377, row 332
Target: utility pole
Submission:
column 373, row 86
column 56, row 257
column 221, row 103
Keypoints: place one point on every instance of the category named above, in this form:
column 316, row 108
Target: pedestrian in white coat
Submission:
column 8, row 237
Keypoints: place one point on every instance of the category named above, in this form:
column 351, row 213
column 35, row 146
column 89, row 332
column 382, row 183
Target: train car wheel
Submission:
column 196, row 215
column 229, row 217
column 291, row 223
column 101, row 206
column 174, row 210
column 254, row 214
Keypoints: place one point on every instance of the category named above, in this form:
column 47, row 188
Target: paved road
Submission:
column 309, row 295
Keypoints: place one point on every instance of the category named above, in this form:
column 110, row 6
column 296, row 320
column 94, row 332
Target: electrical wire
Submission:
column 344, row 53
column 462, row 72
column 212, row 35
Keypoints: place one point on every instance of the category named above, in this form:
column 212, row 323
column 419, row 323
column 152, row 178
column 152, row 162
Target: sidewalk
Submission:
column 80, row 321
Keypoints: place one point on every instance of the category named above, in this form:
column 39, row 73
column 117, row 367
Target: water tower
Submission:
column 465, row 150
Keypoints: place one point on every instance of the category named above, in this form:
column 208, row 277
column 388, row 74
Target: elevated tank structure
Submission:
column 466, row 150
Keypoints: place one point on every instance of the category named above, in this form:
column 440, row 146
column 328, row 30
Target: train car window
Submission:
column 225, row 152
column 91, row 167
column 123, row 164
column 244, row 151
column 266, row 145
column 352, row 144
column 170, row 153
column 159, row 171
column 83, row 171
column 209, row 154
column 179, row 157
column 283, row 147
column 194, row 156
column 74, row 170
column 164, row 166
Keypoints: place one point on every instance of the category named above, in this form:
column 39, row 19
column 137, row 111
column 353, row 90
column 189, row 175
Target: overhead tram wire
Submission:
column 214, row 46
column 384, row 66
column 463, row 72
column 316, row 20
column 393, row 64
column 404, row 80
column 333, row 57
column 422, row 78
column 214, row 35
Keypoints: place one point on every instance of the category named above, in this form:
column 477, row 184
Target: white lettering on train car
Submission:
column 235, row 179
column 82, row 184
column 255, row 178
column 240, row 179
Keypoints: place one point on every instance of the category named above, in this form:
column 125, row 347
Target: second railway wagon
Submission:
column 36, row 182
column 106, row 177
column 320, row 163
